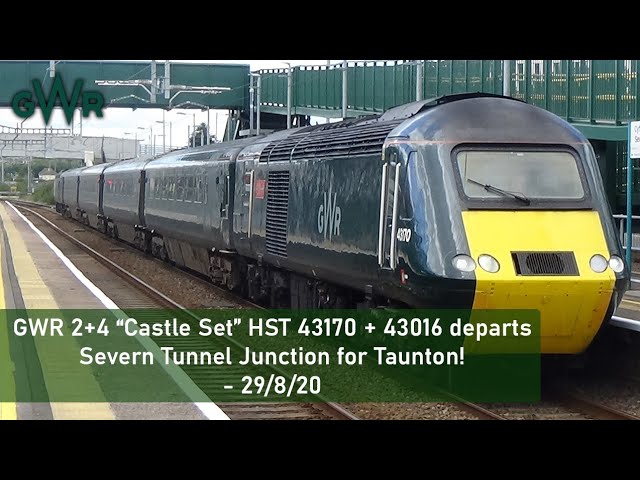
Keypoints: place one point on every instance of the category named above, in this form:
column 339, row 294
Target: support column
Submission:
column 344, row 89
column 419, row 81
column 258, row 108
column 506, row 78
column 289, row 95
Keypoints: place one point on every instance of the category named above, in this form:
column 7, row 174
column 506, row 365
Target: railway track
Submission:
column 118, row 282
column 556, row 405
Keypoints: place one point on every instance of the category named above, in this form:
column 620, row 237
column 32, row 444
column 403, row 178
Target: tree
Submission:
column 200, row 133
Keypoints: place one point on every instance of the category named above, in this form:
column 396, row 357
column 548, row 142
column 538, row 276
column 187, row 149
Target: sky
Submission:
column 140, row 123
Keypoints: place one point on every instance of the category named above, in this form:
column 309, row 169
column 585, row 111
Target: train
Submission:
column 474, row 201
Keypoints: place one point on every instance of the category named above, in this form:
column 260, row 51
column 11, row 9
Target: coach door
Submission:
column 391, row 170
column 224, row 194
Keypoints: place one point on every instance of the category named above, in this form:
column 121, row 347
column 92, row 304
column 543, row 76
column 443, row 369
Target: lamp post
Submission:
column 164, row 143
column 124, row 144
column 194, row 126
column 139, row 128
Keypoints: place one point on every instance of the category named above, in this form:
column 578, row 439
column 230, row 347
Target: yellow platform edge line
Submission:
column 8, row 410
column 30, row 280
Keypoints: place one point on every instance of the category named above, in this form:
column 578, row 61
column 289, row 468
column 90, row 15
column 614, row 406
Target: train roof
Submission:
column 484, row 118
column 126, row 165
column 94, row 169
column 450, row 117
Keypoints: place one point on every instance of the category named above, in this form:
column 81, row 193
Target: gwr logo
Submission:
column 329, row 216
column 23, row 104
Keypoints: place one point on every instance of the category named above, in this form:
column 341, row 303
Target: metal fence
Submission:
column 635, row 238
column 592, row 91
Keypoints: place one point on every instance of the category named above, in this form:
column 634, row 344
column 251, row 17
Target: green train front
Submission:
column 479, row 202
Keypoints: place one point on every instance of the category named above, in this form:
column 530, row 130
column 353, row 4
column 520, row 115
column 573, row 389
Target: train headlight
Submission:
column 598, row 263
column 616, row 264
column 464, row 263
column 488, row 263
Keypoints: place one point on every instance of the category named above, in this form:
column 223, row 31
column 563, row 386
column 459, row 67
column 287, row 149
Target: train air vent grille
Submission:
column 545, row 263
column 277, row 212
column 365, row 139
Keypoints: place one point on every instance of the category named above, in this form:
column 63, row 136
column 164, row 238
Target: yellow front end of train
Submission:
column 573, row 304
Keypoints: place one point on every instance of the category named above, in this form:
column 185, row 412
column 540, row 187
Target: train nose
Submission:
column 556, row 263
column 571, row 310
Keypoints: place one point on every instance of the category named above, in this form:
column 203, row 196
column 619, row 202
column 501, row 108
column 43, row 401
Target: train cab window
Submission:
column 523, row 175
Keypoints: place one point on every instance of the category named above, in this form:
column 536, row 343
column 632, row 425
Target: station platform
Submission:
column 35, row 277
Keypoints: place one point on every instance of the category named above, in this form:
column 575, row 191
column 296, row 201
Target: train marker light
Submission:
column 488, row 263
column 464, row 263
column 598, row 263
column 404, row 278
column 616, row 264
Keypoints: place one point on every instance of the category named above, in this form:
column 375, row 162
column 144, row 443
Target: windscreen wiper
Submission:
column 504, row 193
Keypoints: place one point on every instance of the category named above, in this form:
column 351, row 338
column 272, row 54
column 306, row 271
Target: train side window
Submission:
column 199, row 190
column 180, row 189
column 404, row 205
column 167, row 188
column 205, row 194
column 153, row 185
column 190, row 191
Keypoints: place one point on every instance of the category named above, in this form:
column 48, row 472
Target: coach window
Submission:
column 190, row 189
column 153, row 188
column 165, row 187
column 199, row 189
column 180, row 191
column 173, row 188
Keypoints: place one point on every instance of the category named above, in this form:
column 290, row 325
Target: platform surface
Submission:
column 34, row 277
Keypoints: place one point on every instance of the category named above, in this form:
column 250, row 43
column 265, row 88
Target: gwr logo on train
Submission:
column 329, row 215
column 24, row 105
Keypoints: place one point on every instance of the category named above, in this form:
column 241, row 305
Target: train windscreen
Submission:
column 520, row 174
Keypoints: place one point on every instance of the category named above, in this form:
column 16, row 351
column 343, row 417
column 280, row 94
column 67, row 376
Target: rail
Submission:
column 331, row 409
